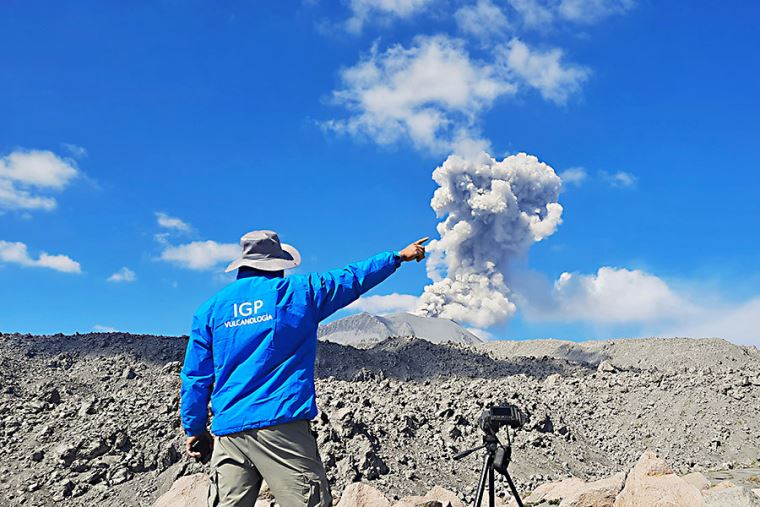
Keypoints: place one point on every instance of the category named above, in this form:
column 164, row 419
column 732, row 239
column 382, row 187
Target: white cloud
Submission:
column 12, row 197
column 573, row 176
column 616, row 295
column 18, row 253
column 76, row 151
column 430, row 93
column 611, row 296
column 389, row 303
column 545, row 71
column 25, row 173
column 533, row 12
column 381, row 10
column 172, row 223
column 620, row 179
column 482, row 19
column 123, row 275
column 739, row 324
column 200, row 255
column 37, row 168
column 541, row 14
column 591, row 11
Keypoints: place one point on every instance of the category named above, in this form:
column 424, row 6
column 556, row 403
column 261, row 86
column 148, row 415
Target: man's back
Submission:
column 256, row 341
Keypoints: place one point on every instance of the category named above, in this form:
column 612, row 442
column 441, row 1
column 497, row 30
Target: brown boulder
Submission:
column 601, row 493
column 359, row 494
column 188, row 491
column 574, row 492
column 446, row 497
column 735, row 496
column 410, row 501
column 652, row 483
column 555, row 491
column 697, row 480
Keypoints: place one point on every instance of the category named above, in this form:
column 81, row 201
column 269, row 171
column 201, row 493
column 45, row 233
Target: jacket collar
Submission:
column 248, row 273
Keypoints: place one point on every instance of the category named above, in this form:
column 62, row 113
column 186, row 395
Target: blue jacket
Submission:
column 253, row 345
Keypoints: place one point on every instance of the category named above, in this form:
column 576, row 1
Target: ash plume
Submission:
column 492, row 212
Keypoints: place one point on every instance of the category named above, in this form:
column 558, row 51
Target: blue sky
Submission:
column 130, row 131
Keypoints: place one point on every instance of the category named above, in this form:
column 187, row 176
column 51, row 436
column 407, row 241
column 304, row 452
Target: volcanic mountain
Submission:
column 364, row 330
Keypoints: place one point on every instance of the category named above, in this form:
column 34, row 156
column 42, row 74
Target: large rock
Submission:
column 359, row 494
column 556, row 491
column 188, row 491
column 574, row 492
column 410, row 501
column 601, row 493
column 437, row 495
column 444, row 496
column 698, row 480
column 652, row 483
column 735, row 496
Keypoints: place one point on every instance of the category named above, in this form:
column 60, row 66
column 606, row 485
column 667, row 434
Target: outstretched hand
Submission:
column 415, row 251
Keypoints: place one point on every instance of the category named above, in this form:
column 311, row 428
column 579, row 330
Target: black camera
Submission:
column 497, row 416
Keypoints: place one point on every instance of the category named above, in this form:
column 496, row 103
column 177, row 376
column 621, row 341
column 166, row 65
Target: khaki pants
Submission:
column 285, row 456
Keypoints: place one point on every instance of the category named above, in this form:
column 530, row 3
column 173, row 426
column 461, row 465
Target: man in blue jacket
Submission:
column 251, row 354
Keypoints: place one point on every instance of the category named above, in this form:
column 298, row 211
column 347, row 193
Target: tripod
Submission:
column 497, row 458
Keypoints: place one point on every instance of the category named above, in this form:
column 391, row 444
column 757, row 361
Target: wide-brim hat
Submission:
column 263, row 250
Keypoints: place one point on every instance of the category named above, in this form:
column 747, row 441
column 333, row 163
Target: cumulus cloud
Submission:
column 12, row 197
column 381, row 10
column 533, row 12
column 430, row 93
column 389, row 303
column 541, row 14
column 18, row 253
column 737, row 323
column 25, row 174
column 123, row 275
column 172, row 223
column 620, row 179
column 544, row 70
column 613, row 297
column 591, row 11
column 482, row 19
column 609, row 296
column 200, row 255
column 573, row 176
column 492, row 213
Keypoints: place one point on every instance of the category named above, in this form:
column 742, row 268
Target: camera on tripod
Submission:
column 495, row 417
column 498, row 454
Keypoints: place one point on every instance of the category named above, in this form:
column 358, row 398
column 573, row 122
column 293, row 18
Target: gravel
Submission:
column 92, row 419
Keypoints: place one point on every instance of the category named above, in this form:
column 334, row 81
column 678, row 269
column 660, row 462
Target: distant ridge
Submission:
column 364, row 329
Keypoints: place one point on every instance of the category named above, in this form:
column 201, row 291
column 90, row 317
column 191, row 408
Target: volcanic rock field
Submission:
column 92, row 419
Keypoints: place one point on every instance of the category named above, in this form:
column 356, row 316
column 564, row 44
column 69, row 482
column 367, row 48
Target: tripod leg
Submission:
column 487, row 465
column 491, row 499
column 514, row 489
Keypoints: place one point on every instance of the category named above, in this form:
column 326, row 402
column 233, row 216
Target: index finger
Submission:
column 421, row 240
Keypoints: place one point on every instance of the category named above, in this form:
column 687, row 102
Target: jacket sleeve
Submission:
column 333, row 290
column 197, row 378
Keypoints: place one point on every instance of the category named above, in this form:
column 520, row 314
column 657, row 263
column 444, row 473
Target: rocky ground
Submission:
column 92, row 419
